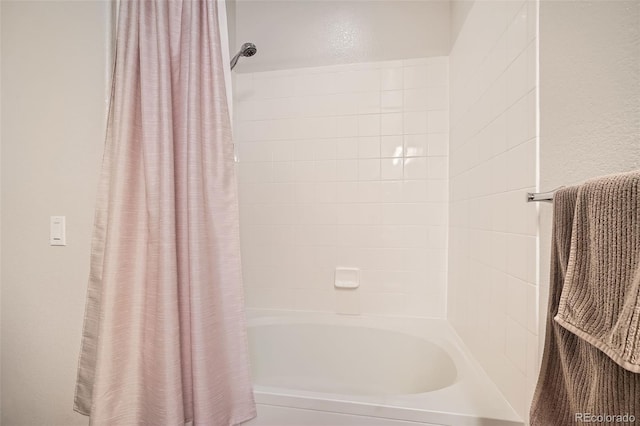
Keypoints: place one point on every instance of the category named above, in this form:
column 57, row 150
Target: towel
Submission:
column 577, row 381
column 600, row 299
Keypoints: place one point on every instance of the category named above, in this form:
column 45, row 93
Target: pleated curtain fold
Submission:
column 164, row 338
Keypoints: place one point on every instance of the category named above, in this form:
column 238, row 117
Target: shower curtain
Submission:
column 164, row 339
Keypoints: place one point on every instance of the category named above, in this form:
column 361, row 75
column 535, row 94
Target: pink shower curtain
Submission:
column 164, row 340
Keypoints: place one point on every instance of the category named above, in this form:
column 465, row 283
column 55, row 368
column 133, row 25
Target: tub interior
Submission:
column 347, row 359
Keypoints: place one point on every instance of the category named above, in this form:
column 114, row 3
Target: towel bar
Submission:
column 541, row 196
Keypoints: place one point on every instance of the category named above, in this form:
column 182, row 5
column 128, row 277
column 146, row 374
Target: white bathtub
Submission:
column 314, row 369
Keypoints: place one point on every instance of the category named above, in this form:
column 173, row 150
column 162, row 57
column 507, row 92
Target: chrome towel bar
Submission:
column 541, row 196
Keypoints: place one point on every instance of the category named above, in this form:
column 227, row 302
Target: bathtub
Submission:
column 316, row 369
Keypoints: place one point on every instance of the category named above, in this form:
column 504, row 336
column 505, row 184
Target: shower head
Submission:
column 247, row 49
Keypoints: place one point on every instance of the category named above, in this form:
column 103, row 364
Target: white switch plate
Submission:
column 58, row 232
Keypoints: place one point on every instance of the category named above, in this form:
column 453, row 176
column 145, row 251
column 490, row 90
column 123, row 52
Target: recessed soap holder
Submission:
column 348, row 278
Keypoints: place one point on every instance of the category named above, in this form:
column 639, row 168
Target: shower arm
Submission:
column 247, row 49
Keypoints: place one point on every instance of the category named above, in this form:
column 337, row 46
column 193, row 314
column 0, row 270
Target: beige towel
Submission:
column 600, row 299
column 576, row 379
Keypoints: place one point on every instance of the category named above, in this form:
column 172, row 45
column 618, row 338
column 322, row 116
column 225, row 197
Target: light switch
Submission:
column 58, row 233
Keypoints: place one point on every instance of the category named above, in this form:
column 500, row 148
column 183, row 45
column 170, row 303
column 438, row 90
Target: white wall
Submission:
column 53, row 114
column 589, row 99
column 492, row 254
column 294, row 34
column 345, row 166
column 458, row 11
column 230, row 6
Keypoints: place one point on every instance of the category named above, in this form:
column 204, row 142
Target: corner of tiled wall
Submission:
column 493, row 232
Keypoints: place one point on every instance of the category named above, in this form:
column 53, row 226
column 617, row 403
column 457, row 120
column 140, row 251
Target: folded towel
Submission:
column 576, row 378
column 600, row 299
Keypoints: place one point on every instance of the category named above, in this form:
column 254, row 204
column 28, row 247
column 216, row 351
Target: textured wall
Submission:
column 231, row 26
column 492, row 244
column 345, row 166
column 589, row 99
column 294, row 34
column 53, row 114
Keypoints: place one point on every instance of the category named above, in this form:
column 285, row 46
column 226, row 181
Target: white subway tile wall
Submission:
column 345, row 166
column 493, row 235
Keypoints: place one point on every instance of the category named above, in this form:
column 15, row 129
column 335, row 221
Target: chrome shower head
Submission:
column 247, row 49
